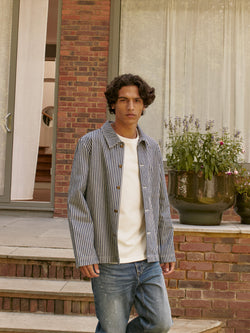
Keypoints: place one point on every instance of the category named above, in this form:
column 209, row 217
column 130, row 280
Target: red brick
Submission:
column 76, row 307
column 195, row 256
column 19, row 270
column 218, row 313
column 50, row 306
column 240, row 305
column 176, row 293
column 220, row 285
column 59, row 272
column 36, row 271
column 179, row 238
column 243, row 295
column 225, row 240
column 177, row 312
column 28, row 270
column 194, row 284
column 224, row 248
column 67, row 307
column 68, row 273
column 84, row 308
column 177, row 274
column 220, row 304
column 241, row 249
column 196, row 294
column 239, row 324
column 195, row 275
column 52, row 271
column 222, row 276
column 171, row 283
column 44, row 271
column 193, row 313
column 223, row 257
column 243, row 315
column 218, row 294
column 180, row 255
column 16, row 304
column 200, row 247
column 199, row 266
column 186, row 303
column 7, row 303
column 25, row 305
column 92, row 308
column 33, row 305
column 42, row 305
column 222, row 267
column 239, row 286
column 59, row 306
column 194, row 239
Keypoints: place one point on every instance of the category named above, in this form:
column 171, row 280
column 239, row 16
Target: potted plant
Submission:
column 242, row 202
column 201, row 166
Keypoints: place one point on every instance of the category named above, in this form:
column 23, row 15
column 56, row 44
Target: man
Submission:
column 119, row 215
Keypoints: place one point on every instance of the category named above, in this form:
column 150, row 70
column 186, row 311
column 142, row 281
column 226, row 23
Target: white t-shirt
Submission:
column 131, row 229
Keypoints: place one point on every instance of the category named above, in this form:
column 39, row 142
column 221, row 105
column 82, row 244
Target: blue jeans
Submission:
column 119, row 286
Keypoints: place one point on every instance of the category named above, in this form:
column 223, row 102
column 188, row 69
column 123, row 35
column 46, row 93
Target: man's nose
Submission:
column 131, row 105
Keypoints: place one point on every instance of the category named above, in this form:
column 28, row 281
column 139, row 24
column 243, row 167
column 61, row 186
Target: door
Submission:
column 8, row 38
column 28, row 33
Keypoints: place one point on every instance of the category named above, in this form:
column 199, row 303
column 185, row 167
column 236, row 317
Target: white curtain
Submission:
column 29, row 94
column 198, row 58
column 5, row 41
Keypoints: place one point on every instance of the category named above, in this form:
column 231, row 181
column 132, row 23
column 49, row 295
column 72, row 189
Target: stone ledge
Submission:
column 33, row 287
column 223, row 228
column 40, row 323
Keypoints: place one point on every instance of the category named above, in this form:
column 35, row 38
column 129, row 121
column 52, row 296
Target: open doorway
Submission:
column 42, row 188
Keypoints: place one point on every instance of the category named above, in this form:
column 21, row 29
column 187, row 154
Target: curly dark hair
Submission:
column 146, row 92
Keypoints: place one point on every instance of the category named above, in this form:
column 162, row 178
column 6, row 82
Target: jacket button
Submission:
column 115, row 210
column 120, row 166
column 121, row 145
column 118, row 187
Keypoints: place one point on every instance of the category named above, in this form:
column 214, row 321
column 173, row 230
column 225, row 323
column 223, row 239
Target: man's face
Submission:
column 129, row 106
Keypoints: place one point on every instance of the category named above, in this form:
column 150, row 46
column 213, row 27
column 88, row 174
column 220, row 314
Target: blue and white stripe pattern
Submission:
column 94, row 197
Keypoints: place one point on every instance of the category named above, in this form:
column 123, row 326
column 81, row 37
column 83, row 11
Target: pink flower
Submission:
column 221, row 143
column 236, row 172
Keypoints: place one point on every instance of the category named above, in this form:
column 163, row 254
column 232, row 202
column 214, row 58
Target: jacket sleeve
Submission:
column 79, row 217
column 165, row 228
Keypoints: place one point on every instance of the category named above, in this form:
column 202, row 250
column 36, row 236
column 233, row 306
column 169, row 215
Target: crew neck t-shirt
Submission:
column 131, row 228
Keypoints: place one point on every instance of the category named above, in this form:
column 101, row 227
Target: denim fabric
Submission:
column 120, row 286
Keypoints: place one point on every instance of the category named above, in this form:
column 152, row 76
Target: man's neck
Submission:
column 128, row 132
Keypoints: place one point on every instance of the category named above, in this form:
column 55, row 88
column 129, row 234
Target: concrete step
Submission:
column 38, row 262
column 39, row 295
column 40, row 323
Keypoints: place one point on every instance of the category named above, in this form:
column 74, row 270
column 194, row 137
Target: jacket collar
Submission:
column 113, row 139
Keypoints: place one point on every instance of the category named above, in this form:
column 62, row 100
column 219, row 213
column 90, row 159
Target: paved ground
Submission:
column 54, row 233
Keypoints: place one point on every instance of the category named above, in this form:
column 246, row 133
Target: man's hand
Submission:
column 167, row 268
column 91, row 271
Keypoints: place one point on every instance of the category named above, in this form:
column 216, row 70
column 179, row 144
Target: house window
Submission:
column 196, row 54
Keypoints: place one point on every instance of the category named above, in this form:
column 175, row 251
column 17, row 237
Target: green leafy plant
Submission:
column 189, row 148
column 242, row 182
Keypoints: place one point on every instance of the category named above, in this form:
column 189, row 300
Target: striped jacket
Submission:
column 94, row 196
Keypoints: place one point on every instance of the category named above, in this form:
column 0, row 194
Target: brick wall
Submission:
column 82, row 81
column 212, row 279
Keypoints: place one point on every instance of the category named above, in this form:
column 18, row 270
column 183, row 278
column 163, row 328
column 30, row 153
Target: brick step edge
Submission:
column 40, row 323
column 48, row 296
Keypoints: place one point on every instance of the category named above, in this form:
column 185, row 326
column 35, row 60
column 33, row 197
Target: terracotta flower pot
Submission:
column 199, row 201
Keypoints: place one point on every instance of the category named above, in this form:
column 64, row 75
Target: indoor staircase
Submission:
column 43, row 168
